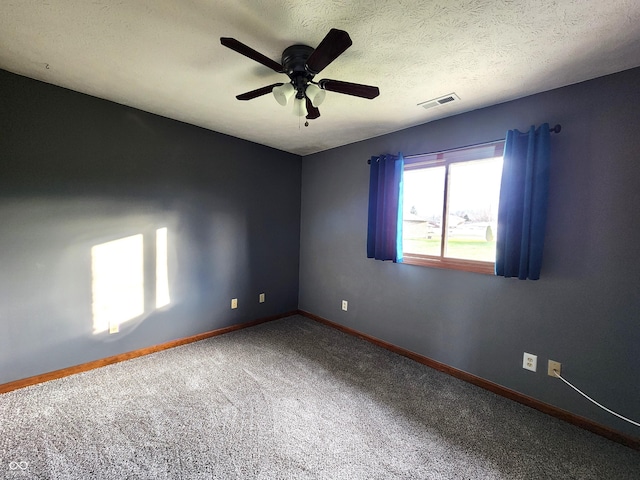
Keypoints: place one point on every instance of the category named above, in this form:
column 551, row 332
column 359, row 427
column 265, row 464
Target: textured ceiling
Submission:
column 165, row 57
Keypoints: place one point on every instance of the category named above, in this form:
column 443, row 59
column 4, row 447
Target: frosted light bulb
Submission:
column 299, row 107
column 315, row 94
column 283, row 93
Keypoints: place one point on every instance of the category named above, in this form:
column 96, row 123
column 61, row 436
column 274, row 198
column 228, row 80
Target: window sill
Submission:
column 475, row 266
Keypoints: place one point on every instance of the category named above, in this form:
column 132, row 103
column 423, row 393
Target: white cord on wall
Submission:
column 592, row 400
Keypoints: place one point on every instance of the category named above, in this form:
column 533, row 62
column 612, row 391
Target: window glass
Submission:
column 450, row 208
column 474, row 190
column 423, row 206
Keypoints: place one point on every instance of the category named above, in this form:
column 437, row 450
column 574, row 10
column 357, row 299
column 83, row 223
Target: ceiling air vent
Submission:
column 436, row 102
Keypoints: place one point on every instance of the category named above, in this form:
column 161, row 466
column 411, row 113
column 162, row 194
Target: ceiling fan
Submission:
column 301, row 63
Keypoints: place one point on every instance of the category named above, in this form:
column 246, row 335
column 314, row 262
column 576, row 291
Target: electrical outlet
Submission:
column 234, row 303
column 553, row 365
column 345, row 305
column 261, row 298
column 114, row 327
column 530, row 361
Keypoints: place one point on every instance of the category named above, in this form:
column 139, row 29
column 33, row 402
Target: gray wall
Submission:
column 76, row 171
column 583, row 312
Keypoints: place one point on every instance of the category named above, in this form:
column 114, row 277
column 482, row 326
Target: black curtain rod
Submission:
column 556, row 129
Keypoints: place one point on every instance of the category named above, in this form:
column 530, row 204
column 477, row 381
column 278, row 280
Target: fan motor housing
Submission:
column 294, row 61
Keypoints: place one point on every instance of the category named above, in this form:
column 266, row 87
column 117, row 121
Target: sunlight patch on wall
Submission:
column 162, row 271
column 117, row 270
column 119, row 290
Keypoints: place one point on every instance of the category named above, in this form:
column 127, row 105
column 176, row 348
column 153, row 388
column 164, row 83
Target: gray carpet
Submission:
column 290, row 399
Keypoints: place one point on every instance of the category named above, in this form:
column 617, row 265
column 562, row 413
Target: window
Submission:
column 450, row 208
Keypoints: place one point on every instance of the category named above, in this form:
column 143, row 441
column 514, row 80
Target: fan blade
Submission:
column 355, row 89
column 312, row 112
column 258, row 93
column 247, row 51
column 330, row 48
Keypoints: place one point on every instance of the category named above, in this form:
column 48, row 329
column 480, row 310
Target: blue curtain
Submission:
column 384, row 233
column 522, row 211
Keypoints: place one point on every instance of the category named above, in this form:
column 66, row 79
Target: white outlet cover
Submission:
column 345, row 305
column 530, row 361
column 261, row 298
column 234, row 303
